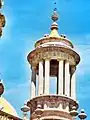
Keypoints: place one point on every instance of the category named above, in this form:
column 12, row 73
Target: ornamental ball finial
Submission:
column 73, row 112
column 55, row 15
column 82, row 115
column 25, row 108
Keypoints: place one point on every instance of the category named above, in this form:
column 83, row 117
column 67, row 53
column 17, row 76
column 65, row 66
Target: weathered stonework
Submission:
column 53, row 53
column 53, row 39
column 6, row 116
column 52, row 103
column 53, row 56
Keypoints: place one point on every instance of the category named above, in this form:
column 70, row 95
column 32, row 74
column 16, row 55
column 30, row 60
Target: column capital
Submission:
column 58, row 59
column 47, row 58
column 66, row 61
column 41, row 60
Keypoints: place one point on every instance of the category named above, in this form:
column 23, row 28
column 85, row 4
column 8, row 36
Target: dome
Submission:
column 5, row 106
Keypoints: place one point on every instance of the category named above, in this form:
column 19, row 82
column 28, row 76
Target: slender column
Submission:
column 47, row 73
column 60, row 77
column 73, row 86
column 40, row 82
column 67, row 79
column 33, row 83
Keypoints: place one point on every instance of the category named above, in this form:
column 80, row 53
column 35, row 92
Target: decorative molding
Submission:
column 51, row 101
column 51, row 53
column 53, row 39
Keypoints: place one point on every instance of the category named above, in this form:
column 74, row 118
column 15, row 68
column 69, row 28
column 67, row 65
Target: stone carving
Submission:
column 51, row 102
column 59, row 103
column 52, row 54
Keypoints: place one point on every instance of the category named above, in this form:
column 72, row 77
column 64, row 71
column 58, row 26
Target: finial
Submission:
column 55, row 15
column 25, row 108
column 82, row 115
column 54, row 18
column 73, row 112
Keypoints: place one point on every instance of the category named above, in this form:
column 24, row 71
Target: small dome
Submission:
column 7, row 107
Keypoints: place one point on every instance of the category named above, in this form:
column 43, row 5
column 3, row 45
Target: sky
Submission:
column 26, row 22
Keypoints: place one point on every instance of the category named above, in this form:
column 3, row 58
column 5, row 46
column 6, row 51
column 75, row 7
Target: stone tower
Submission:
column 53, row 56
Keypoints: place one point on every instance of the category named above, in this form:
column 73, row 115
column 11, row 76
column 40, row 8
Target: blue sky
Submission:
column 26, row 22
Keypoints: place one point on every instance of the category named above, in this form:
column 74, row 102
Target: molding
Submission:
column 53, row 53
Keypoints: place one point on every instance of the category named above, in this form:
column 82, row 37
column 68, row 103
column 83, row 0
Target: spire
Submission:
column 55, row 15
column 54, row 18
column 54, row 26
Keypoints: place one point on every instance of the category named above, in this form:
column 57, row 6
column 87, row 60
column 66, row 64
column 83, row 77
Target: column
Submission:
column 73, row 86
column 67, row 79
column 60, row 77
column 33, row 83
column 40, row 81
column 47, row 74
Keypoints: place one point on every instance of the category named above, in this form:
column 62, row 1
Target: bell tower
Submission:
column 53, row 56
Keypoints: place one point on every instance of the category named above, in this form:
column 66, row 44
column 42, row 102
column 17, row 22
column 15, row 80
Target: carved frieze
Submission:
column 51, row 102
column 52, row 54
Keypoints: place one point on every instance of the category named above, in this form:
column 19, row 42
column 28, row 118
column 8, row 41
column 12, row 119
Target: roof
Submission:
column 54, row 33
column 7, row 107
column 5, row 115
